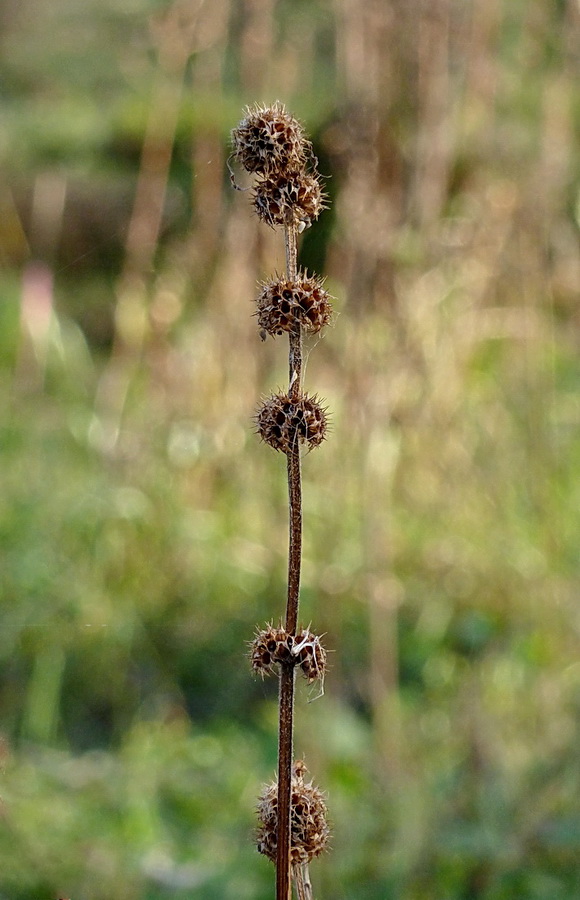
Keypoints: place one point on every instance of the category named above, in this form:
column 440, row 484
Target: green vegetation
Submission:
column 143, row 526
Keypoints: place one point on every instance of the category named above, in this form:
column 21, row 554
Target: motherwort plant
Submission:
column 287, row 194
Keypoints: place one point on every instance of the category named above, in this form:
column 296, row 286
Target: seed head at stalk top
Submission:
column 270, row 140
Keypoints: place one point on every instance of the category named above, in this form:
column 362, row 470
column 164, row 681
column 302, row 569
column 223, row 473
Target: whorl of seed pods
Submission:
column 284, row 305
column 284, row 421
column 309, row 832
column 276, row 645
column 269, row 139
column 289, row 198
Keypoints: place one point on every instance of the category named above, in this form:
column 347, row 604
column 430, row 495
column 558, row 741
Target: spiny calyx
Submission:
column 285, row 421
column 275, row 645
column 285, row 305
column 309, row 831
column 269, row 139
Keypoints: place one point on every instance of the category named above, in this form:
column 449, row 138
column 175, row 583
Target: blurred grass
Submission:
column 142, row 525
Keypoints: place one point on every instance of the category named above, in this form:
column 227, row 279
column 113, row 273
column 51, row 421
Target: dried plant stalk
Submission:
column 270, row 143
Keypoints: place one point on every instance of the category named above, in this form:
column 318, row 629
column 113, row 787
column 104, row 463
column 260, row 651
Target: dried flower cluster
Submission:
column 269, row 139
column 309, row 832
column 270, row 143
column 284, row 421
column 283, row 304
column 289, row 198
column 275, row 645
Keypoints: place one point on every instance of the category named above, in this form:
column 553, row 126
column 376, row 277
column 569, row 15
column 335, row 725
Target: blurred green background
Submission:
column 142, row 523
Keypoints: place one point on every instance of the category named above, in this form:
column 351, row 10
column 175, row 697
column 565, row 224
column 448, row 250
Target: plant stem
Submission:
column 291, row 251
column 293, row 455
column 286, row 728
column 295, row 537
column 295, row 354
column 286, row 710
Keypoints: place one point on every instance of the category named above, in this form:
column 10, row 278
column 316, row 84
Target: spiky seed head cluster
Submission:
column 270, row 646
column 289, row 198
column 270, row 143
column 269, row 139
column 275, row 645
column 311, row 656
column 287, row 305
column 309, row 831
column 285, row 421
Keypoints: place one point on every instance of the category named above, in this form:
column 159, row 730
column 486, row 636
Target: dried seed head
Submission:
column 269, row 140
column 275, row 645
column 289, row 198
column 284, row 421
column 270, row 646
column 310, row 656
column 283, row 305
column 309, row 832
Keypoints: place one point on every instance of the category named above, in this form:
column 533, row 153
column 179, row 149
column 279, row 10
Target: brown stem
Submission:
column 291, row 251
column 295, row 353
column 293, row 455
column 286, row 714
column 295, row 535
column 286, row 728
